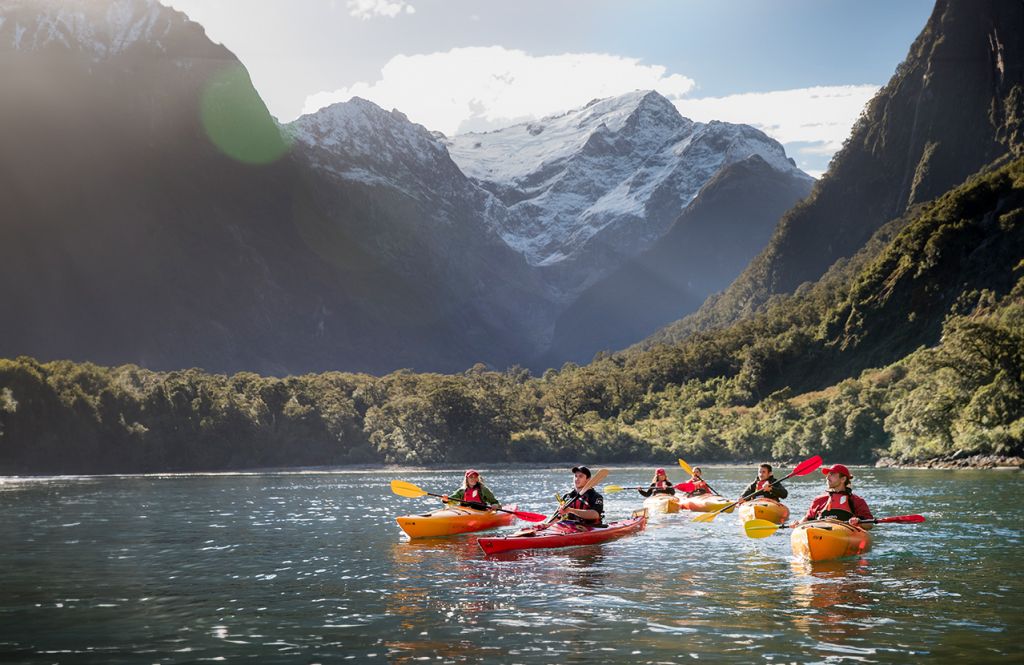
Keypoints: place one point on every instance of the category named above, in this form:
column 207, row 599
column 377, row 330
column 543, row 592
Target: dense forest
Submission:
column 911, row 349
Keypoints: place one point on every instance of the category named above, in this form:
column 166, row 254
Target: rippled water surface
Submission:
column 312, row 568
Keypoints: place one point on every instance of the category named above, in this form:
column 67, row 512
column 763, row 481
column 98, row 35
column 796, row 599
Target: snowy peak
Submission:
column 99, row 29
column 616, row 172
column 360, row 127
column 635, row 120
column 361, row 142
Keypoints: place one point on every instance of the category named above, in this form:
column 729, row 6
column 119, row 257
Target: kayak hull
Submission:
column 763, row 509
column 661, row 503
column 563, row 534
column 825, row 540
column 705, row 503
column 453, row 520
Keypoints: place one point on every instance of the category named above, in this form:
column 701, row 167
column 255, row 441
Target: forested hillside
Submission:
column 954, row 106
column 911, row 349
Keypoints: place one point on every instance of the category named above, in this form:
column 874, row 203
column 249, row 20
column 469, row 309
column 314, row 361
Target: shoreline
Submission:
column 956, row 461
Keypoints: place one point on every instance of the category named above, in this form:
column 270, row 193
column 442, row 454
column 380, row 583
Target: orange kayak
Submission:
column 824, row 540
column 453, row 520
column 763, row 509
column 705, row 503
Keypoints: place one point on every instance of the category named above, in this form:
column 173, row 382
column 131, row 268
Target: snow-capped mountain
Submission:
column 426, row 216
column 606, row 180
column 96, row 29
column 143, row 231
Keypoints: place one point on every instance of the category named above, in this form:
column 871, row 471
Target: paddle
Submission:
column 402, row 488
column 682, row 487
column 598, row 476
column 802, row 469
column 764, row 528
column 688, row 469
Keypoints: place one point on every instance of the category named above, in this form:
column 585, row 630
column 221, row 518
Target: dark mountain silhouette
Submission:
column 154, row 215
column 954, row 106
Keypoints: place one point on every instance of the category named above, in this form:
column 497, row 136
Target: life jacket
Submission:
column 763, row 485
column 662, row 487
column 839, row 506
column 473, row 494
column 699, row 487
column 580, row 503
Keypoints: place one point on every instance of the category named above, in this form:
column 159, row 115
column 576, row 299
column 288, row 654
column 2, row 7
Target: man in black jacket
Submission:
column 765, row 486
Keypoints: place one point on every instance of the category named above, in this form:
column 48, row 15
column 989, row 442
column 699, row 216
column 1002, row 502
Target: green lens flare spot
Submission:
column 237, row 121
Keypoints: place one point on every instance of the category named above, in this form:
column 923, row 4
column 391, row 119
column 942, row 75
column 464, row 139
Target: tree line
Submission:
column 912, row 349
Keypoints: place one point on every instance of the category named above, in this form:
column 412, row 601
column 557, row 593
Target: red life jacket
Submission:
column 699, row 487
column 763, row 485
column 839, row 505
column 473, row 494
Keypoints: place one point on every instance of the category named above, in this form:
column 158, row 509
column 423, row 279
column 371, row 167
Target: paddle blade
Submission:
column 686, row 487
column 760, row 528
column 901, row 519
column 705, row 517
column 402, row 488
column 808, row 465
column 612, row 489
column 529, row 517
column 686, row 467
column 598, row 477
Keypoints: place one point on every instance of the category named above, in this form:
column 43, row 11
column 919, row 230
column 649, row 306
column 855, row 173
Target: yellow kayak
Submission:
column 661, row 503
column 453, row 520
column 705, row 503
column 824, row 540
column 763, row 509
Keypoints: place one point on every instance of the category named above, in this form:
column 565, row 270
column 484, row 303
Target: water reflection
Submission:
column 836, row 597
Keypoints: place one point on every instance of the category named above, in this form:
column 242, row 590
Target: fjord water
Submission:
column 311, row 567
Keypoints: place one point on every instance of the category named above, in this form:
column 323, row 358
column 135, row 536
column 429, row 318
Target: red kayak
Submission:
column 564, row 534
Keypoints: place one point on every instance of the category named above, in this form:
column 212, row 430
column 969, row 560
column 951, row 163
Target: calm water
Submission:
column 307, row 568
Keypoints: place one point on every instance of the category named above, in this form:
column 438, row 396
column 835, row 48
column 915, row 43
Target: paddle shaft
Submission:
column 897, row 519
column 682, row 487
column 473, row 504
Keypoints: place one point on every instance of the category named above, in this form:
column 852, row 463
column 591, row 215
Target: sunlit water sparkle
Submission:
column 311, row 567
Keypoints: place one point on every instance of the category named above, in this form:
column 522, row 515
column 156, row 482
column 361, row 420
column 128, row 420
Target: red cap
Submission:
column 838, row 468
column 472, row 472
column 660, row 472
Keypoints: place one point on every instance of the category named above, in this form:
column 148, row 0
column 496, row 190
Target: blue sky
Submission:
column 801, row 70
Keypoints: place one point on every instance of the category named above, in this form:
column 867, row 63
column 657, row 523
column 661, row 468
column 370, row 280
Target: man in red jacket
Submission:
column 839, row 502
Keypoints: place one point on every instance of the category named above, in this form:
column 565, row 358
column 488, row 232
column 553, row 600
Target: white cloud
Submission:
column 481, row 88
column 367, row 9
column 821, row 114
column 811, row 122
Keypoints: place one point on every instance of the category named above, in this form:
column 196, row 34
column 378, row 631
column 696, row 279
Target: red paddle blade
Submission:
column 529, row 517
column 685, row 487
column 808, row 465
column 902, row 519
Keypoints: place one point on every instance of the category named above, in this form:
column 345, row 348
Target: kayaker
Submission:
column 699, row 486
column 473, row 490
column 765, row 486
column 588, row 508
column 839, row 501
column 660, row 484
